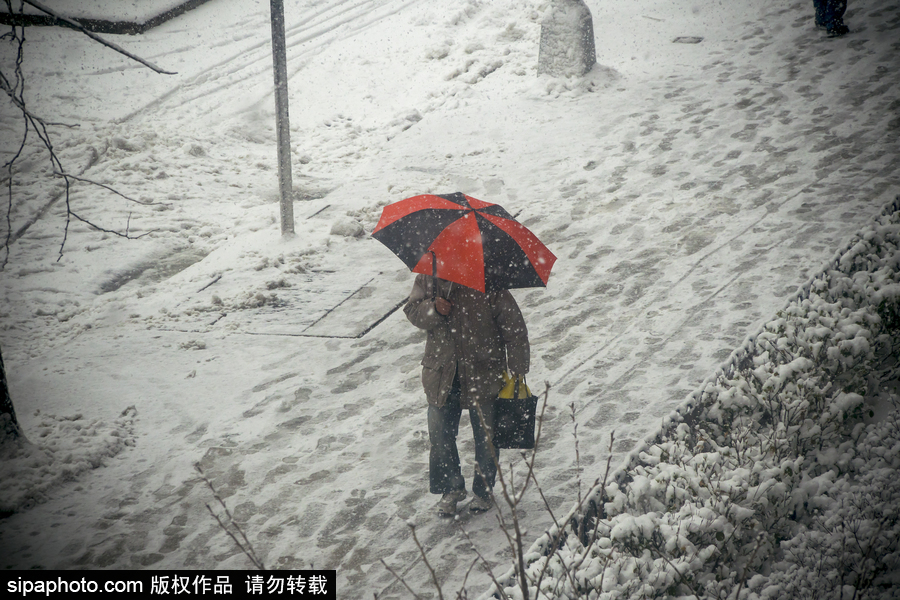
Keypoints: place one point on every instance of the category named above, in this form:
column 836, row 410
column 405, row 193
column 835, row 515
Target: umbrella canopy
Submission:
column 465, row 240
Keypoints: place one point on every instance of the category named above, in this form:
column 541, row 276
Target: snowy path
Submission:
column 685, row 205
column 305, row 38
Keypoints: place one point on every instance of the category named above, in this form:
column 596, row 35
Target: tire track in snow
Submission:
column 355, row 25
column 339, row 21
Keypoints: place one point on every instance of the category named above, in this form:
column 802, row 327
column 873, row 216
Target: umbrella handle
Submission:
column 433, row 276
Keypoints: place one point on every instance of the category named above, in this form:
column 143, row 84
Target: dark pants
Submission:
column 830, row 12
column 445, row 474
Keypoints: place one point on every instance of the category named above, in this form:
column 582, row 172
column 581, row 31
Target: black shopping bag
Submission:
column 514, row 416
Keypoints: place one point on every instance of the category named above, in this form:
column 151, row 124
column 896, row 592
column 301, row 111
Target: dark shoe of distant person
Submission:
column 830, row 16
column 838, row 29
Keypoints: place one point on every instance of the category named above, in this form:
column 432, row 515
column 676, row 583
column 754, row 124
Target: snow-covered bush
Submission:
column 779, row 479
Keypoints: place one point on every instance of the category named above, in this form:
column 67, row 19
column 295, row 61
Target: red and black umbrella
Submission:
column 465, row 240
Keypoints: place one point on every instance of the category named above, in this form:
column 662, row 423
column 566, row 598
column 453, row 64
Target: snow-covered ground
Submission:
column 688, row 190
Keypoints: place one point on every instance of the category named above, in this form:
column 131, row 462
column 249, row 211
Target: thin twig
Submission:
column 32, row 123
column 400, row 579
column 537, row 438
column 602, row 487
column 231, row 535
column 111, row 231
column 434, row 578
column 556, row 540
column 577, row 454
column 103, row 185
column 511, row 501
column 759, row 538
column 864, row 581
column 245, row 546
column 680, row 576
column 487, row 566
column 462, row 589
column 16, row 99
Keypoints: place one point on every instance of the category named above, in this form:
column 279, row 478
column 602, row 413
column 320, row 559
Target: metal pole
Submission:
column 282, row 122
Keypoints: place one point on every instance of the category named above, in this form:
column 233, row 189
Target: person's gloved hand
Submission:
column 443, row 306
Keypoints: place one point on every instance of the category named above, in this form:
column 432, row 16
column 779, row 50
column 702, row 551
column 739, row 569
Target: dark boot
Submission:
column 838, row 29
column 830, row 15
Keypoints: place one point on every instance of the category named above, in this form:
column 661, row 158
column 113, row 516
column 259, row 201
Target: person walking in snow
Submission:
column 472, row 338
column 830, row 15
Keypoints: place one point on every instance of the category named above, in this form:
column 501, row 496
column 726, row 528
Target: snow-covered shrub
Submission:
column 778, row 480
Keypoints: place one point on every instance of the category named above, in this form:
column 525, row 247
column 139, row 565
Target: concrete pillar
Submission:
column 567, row 40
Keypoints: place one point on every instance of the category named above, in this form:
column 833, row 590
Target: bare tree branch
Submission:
column 103, row 185
column 98, row 228
column 243, row 543
column 487, row 565
column 11, row 92
column 96, row 37
column 400, row 579
column 434, row 578
column 14, row 87
column 462, row 590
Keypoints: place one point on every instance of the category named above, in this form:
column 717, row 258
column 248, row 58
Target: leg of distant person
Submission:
column 444, row 472
column 486, row 467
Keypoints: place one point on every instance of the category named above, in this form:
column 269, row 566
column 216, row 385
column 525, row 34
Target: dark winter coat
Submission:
column 482, row 336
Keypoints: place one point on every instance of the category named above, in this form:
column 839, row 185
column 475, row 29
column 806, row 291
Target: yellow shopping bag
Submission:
column 514, row 415
column 510, row 385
